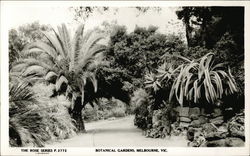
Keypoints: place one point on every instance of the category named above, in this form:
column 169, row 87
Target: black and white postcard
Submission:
column 125, row 77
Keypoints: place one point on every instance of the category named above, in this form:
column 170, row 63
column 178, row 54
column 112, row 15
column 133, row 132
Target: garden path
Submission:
column 119, row 132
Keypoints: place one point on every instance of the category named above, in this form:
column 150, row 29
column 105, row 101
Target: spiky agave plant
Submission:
column 158, row 84
column 69, row 63
column 202, row 78
column 152, row 82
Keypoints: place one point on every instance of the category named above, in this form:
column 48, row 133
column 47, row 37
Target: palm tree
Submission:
column 69, row 63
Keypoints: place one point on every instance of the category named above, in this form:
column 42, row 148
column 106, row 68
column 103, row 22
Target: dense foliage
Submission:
column 25, row 34
column 105, row 109
column 209, row 24
column 140, row 51
column 208, row 73
column 35, row 118
column 220, row 29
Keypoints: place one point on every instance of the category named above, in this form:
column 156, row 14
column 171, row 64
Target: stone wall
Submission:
column 211, row 129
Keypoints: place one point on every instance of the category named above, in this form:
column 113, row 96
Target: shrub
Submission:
column 104, row 109
column 162, row 120
column 90, row 113
column 38, row 118
column 118, row 112
column 143, row 116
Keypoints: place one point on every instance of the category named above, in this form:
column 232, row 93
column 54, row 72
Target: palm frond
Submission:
column 55, row 42
column 50, row 76
column 24, row 63
column 20, row 94
column 60, row 81
column 34, row 69
column 87, row 55
column 90, row 43
column 77, row 40
column 60, row 40
column 38, row 47
column 66, row 39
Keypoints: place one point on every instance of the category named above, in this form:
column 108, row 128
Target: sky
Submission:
column 19, row 15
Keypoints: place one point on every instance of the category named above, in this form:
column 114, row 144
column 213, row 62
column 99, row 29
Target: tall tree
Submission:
column 82, row 13
column 69, row 63
column 185, row 15
column 206, row 25
column 140, row 51
column 23, row 35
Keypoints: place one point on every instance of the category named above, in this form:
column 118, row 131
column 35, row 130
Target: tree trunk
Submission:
column 77, row 116
column 188, row 34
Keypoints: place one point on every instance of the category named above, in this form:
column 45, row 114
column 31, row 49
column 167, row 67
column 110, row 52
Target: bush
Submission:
column 141, row 101
column 90, row 113
column 104, row 109
column 42, row 119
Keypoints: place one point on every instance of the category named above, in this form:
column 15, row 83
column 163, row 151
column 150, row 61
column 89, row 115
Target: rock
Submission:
column 203, row 119
column 236, row 129
column 216, row 143
column 209, row 128
column 199, row 141
column 190, row 134
column 223, row 128
column 194, row 117
column 204, row 144
column 184, row 112
column 177, row 109
column 216, row 136
column 217, row 121
column 195, row 123
column 203, row 111
column 194, row 111
column 191, row 144
column 217, row 118
column 185, row 119
column 240, row 120
column 176, row 131
column 184, row 124
column 216, row 112
column 193, row 133
column 234, row 142
column 238, row 134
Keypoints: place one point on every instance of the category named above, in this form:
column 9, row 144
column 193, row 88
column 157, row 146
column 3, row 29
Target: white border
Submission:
column 6, row 150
